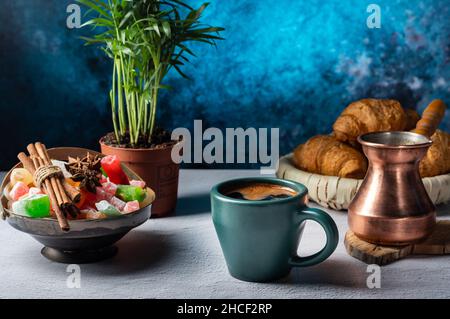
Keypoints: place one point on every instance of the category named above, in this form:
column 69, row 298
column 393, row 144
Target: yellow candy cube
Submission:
column 21, row 175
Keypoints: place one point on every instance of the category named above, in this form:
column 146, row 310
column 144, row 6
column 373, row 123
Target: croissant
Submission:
column 437, row 160
column 369, row 115
column 325, row 155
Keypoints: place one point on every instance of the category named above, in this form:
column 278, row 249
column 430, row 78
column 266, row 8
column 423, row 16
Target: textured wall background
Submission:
column 288, row 64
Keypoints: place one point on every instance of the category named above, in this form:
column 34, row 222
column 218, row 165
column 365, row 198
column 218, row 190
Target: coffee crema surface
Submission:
column 260, row 191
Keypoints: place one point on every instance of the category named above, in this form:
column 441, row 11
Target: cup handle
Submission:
column 331, row 232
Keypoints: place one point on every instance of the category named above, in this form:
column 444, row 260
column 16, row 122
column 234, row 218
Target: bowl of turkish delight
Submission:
column 77, row 202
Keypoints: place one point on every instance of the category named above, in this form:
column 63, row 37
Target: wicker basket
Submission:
column 337, row 193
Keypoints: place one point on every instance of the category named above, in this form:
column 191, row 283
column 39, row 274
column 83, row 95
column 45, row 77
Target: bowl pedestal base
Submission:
column 79, row 257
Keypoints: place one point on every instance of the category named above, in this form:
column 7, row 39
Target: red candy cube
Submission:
column 117, row 203
column 111, row 166
column 18, row 190
column 131, row 207
column 140, row 184
column 110, row 187
column 102, row 194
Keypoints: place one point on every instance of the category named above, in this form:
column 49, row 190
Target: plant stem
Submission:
column 144, row 127
column 133, row 118
column 112, row 95
column 154, row 104
column 121, row 111
column 126, row 84
column 140, row 114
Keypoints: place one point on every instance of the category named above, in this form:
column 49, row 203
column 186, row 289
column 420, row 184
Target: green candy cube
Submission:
column 130, row 193
column 107, row 208
column 35, row 206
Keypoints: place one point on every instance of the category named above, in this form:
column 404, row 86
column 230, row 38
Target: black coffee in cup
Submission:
column 259, row 191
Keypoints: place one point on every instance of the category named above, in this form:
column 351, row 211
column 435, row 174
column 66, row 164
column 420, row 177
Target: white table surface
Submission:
column 180, row 257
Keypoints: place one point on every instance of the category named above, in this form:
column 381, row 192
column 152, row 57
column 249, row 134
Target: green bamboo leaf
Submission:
column 176, row 62
column 123, row 50
column 126, row 18
column 183, row 58
column 165, row 13
column 108, row 53
column 185, row 48
column 203, row 36
column 210, row 42
column 208, row 30
column 154, row 28
column 181, row 72
column 96, row 6
column 98, row 22
column 166, row 28
column 90, row 40
column 195, row 14
column 181, row 3
column 202, row 8
column 101, row 3
column 177, row 16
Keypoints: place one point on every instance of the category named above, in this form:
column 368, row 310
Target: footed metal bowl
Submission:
column 87, row 240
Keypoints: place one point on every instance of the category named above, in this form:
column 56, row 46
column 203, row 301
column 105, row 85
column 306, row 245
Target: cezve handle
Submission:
column 431, row 118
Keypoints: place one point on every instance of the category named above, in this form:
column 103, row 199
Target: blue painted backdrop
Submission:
column 288, row 64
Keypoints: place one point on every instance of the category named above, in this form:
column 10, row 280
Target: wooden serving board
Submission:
column 437, row 244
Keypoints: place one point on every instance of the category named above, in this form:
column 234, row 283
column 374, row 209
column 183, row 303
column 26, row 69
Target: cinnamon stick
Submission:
column 27, row 163
column 53, row 183
column 64, row 187
column 52, row 191
column 31, row 166
column 73, row 193
column 65, row 203
column 38, row 159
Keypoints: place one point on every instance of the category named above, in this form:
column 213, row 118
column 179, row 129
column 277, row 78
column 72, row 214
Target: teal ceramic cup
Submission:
column 259, row 239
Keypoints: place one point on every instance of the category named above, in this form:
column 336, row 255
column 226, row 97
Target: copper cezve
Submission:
column 392, row 206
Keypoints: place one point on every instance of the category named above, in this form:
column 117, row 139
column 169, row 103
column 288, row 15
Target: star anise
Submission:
column 91, row 162
column 89, row 180
column 86, row 171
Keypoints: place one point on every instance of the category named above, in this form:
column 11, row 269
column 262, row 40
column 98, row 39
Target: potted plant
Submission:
column 145, row 39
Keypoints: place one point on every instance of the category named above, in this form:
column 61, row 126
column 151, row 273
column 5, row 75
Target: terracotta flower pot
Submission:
column 156, row 168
